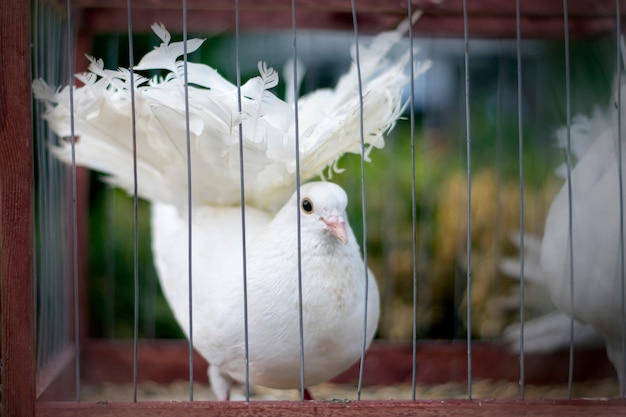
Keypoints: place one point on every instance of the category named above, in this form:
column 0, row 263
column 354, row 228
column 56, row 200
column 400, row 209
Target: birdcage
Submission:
column 56, row 359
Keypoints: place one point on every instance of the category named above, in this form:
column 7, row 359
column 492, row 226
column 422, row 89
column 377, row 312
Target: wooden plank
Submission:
column 538, row 8
column 386, row 363
column 370, row 6
column 487, row 18
column 448, row 408
column 109, row 20
column 16, row 213
column 582, row 8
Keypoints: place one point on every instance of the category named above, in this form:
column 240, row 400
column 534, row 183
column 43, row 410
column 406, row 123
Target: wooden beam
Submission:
column 536, row 8
column 110, row 20
column 486, row 18
column 386, row 363
column 581, row 8
column 449, row 408
column 16, row 213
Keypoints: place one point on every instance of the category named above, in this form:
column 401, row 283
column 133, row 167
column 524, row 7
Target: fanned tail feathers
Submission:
column 329, row 124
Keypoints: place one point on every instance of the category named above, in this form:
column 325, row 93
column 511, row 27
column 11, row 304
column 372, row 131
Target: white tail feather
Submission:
column 329, row 124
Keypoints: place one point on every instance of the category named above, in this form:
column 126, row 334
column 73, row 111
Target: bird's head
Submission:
column 323, row 207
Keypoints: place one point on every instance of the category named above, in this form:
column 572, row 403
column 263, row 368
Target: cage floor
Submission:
column 481, row 389
column 441, row 374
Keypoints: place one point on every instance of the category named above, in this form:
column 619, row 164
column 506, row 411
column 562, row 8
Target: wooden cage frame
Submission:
column 20, row 395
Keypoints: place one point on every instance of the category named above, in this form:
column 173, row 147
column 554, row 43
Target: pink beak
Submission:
column 336, row 226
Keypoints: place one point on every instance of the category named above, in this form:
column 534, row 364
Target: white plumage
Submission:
column 332, row 278
column 333, row 273
column 550, row 330
column 596, row 231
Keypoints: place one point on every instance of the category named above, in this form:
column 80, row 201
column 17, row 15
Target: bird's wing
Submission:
column 329, row 124
column 217, row 267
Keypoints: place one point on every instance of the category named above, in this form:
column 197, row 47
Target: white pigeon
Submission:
column 596, row 232
column 333, row 287
column 333, row 272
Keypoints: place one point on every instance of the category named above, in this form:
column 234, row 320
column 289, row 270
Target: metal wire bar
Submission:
column 243, row 207
column 469, row 202
column 363, row 197
column 131, row 64
column 520, row 138
column 618, row 65
column 413, row 198
column 40, row 160
column 568, row 161
column 62, row 184
column 70, row 60
column 297, row 135
column 189, row 200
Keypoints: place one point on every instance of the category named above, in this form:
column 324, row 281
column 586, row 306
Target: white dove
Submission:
column 333, row 272
column 333, row 288
column 596, row 232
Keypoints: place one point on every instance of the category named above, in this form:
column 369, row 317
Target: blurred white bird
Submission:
column 549, row 331
column 598, row 288
column 333, row 273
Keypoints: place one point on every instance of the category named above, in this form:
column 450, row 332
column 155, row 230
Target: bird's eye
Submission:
column 307, row 206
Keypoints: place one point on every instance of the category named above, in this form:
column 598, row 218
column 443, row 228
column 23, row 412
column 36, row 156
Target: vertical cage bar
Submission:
column 74, row 174
column 298, row 183
column 243, row 205
column 363, row 196
column 131, row 65
column 469, row 201
column 520, row 138
column 620, row 168
column 189, row 198
column 413, row 198
column 568, row 113
column 41, row 258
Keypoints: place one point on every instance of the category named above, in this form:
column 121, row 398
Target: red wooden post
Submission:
column 16, row 212
column 448, row 408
